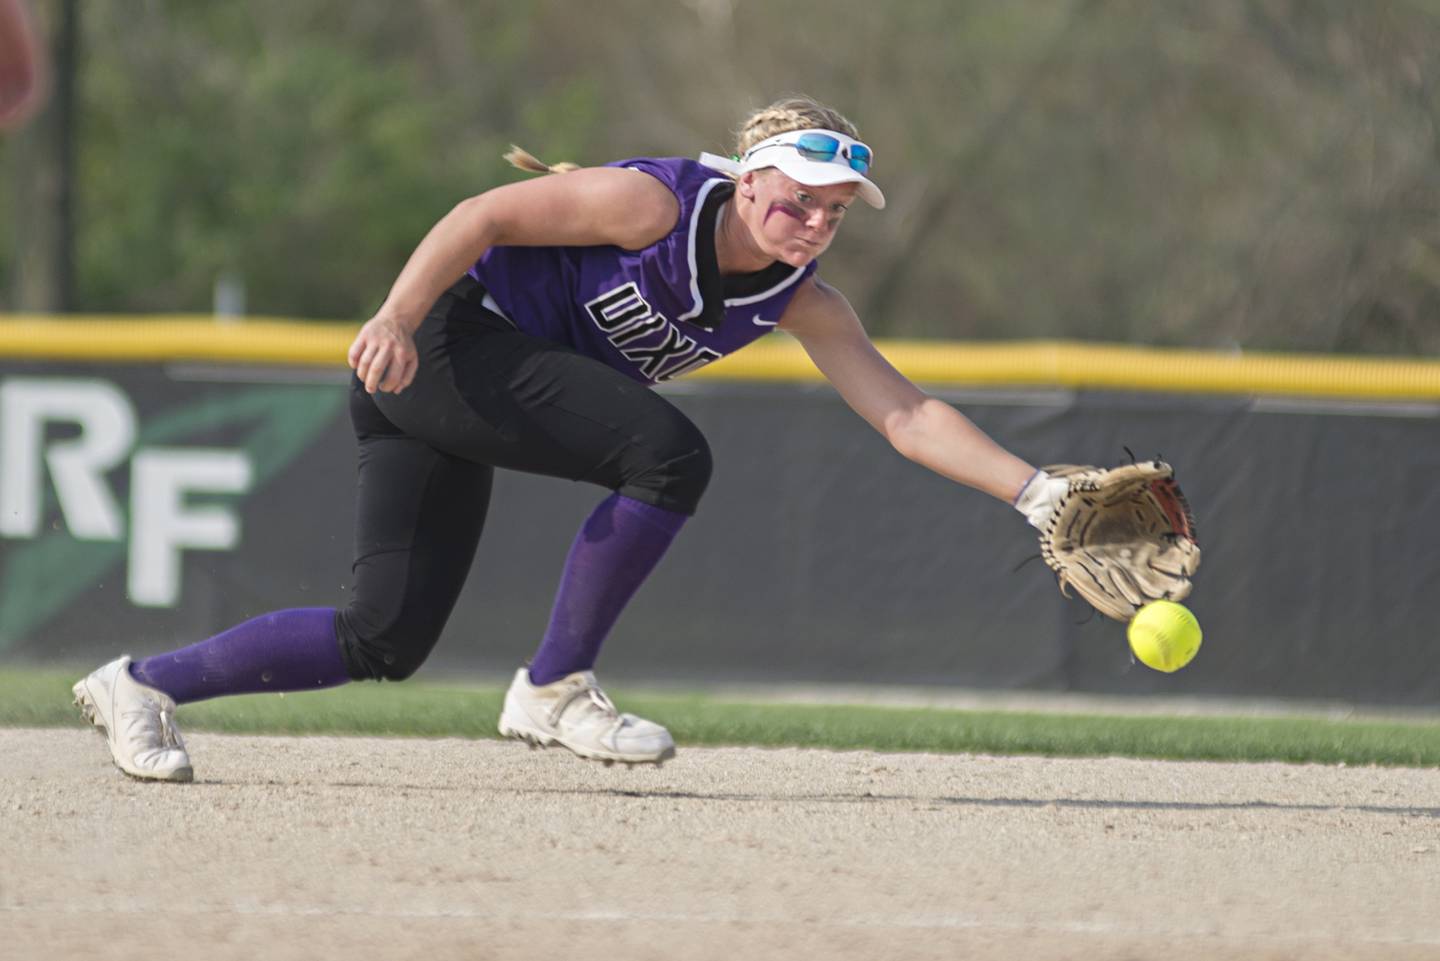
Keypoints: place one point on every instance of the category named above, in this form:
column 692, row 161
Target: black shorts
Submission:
column 485, row 396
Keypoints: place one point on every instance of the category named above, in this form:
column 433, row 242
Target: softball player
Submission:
column 576, row 294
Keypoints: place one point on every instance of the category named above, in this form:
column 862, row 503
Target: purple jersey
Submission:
column 655, row 313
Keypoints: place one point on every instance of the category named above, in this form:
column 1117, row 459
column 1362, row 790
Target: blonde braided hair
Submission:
column 789, row 113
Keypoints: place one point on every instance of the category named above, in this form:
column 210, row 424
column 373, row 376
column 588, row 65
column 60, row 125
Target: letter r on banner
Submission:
column 77, row 465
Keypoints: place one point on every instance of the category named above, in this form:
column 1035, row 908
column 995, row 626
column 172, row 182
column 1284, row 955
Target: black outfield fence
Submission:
column 149, row 504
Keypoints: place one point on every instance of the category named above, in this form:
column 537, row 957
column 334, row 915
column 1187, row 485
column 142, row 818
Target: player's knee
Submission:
column 398, row 667
column 690, row 467
column 675, row 467
column 378, row 651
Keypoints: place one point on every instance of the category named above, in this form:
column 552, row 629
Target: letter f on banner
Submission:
column 162, row 524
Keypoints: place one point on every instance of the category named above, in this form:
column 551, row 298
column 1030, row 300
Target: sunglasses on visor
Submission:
column 825, row 148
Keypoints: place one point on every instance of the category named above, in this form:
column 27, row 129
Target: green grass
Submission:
column 42, row 698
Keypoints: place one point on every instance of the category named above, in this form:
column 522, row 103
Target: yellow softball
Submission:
column 1164, row 635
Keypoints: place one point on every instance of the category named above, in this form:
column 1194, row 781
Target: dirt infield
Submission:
column 321, row 848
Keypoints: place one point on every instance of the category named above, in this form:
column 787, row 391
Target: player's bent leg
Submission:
column 419, row 516
column 137, row 721
column 487, row 394
column 574, row 713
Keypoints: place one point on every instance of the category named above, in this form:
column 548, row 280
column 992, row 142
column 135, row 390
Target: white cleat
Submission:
column 137, row 721
column 574, row 713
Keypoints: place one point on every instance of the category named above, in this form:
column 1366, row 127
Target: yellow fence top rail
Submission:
column 1042, row 363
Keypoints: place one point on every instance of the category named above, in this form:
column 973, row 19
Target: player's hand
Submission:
column 383, row 355
column 1121, row 537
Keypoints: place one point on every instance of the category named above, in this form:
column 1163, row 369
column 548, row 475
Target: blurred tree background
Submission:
column 1234, row 174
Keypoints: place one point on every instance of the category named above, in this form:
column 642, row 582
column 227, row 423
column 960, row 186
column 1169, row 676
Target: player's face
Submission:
column 792, row 222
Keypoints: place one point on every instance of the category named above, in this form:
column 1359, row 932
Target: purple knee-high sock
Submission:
column 292, row 650
column 616, row 549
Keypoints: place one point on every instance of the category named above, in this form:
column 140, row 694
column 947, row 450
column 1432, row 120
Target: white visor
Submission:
column 779, row 152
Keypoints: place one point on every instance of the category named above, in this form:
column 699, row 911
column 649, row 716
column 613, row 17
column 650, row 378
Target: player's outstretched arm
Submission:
column 922, row 428
column 602, row 205
column 1141, row 548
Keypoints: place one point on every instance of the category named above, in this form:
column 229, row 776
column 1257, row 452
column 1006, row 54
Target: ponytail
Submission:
column 524, row 160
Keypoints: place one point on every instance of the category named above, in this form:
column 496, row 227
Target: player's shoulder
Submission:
column 812, row 293
column 816, row 305
column 684, row 177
